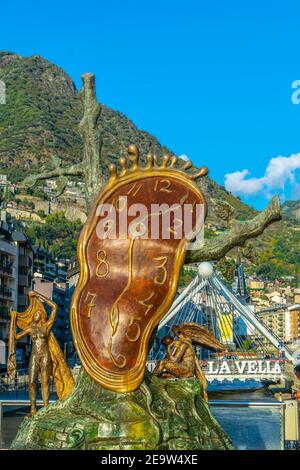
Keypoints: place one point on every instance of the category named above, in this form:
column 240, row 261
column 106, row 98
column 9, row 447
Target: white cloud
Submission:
column 279, row 171
column 184, row 157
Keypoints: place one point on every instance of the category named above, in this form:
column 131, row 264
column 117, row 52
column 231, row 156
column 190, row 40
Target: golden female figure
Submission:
column 40, row 359
column 46, row 356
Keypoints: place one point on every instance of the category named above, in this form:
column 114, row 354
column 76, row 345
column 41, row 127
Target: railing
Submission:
column 261, row 423
column 17, row 387
column 19, row 382
column 6, row 268
column 246, row 403
column 15, row 404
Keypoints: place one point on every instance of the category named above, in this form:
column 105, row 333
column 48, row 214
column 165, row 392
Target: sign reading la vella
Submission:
column 243, row 367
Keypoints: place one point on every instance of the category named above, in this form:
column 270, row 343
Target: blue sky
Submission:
column 211, row 80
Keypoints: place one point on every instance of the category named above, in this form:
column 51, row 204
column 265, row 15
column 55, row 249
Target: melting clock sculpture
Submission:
column 129, row 265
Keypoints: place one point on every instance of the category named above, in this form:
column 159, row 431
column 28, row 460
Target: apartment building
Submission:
column 16, row 263
column 292, row 323
column 25, row 268
column 285, row 322
column 47, row 267
column 73, row 272
column 8, row 279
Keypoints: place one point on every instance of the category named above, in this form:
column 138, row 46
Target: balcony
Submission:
column 6, row 269
column 6, row 292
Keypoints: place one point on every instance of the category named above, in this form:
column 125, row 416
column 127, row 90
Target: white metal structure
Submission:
column 218, row 297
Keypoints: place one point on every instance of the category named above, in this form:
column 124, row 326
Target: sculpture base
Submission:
column 161, row 414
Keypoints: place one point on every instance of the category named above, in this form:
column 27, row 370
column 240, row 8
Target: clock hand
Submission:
column 114, row 313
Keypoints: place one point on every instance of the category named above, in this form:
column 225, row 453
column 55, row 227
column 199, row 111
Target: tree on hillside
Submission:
column 57, row 234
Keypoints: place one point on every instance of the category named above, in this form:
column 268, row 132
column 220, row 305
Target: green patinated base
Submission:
column 161, row 414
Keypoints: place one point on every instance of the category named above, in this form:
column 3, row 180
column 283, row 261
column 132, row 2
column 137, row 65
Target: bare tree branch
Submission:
column 236, row 235
column 91, row 136
column 75, row 170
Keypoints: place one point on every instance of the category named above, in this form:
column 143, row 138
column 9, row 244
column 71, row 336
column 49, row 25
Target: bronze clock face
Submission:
column 129, row 278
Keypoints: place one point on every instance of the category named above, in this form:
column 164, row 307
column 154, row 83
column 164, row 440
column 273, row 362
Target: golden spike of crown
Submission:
column 168, row 163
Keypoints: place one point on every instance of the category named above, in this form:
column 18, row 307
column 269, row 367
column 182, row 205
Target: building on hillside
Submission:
column 256, row 284
column 4, row 181
column 260, row 303
column 288, row 293
column 259, row 294
column 277, row 298
column 269, row 285
column 51, row 184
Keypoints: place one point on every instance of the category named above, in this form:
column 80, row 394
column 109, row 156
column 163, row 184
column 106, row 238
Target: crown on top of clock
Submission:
column 167, row 163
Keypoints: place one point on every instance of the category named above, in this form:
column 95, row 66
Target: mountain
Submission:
column 39, row 123
column 41, row 116
column 40, row 119
column 291, row 210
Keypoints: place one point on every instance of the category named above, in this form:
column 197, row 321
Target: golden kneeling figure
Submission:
column 181, row 359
